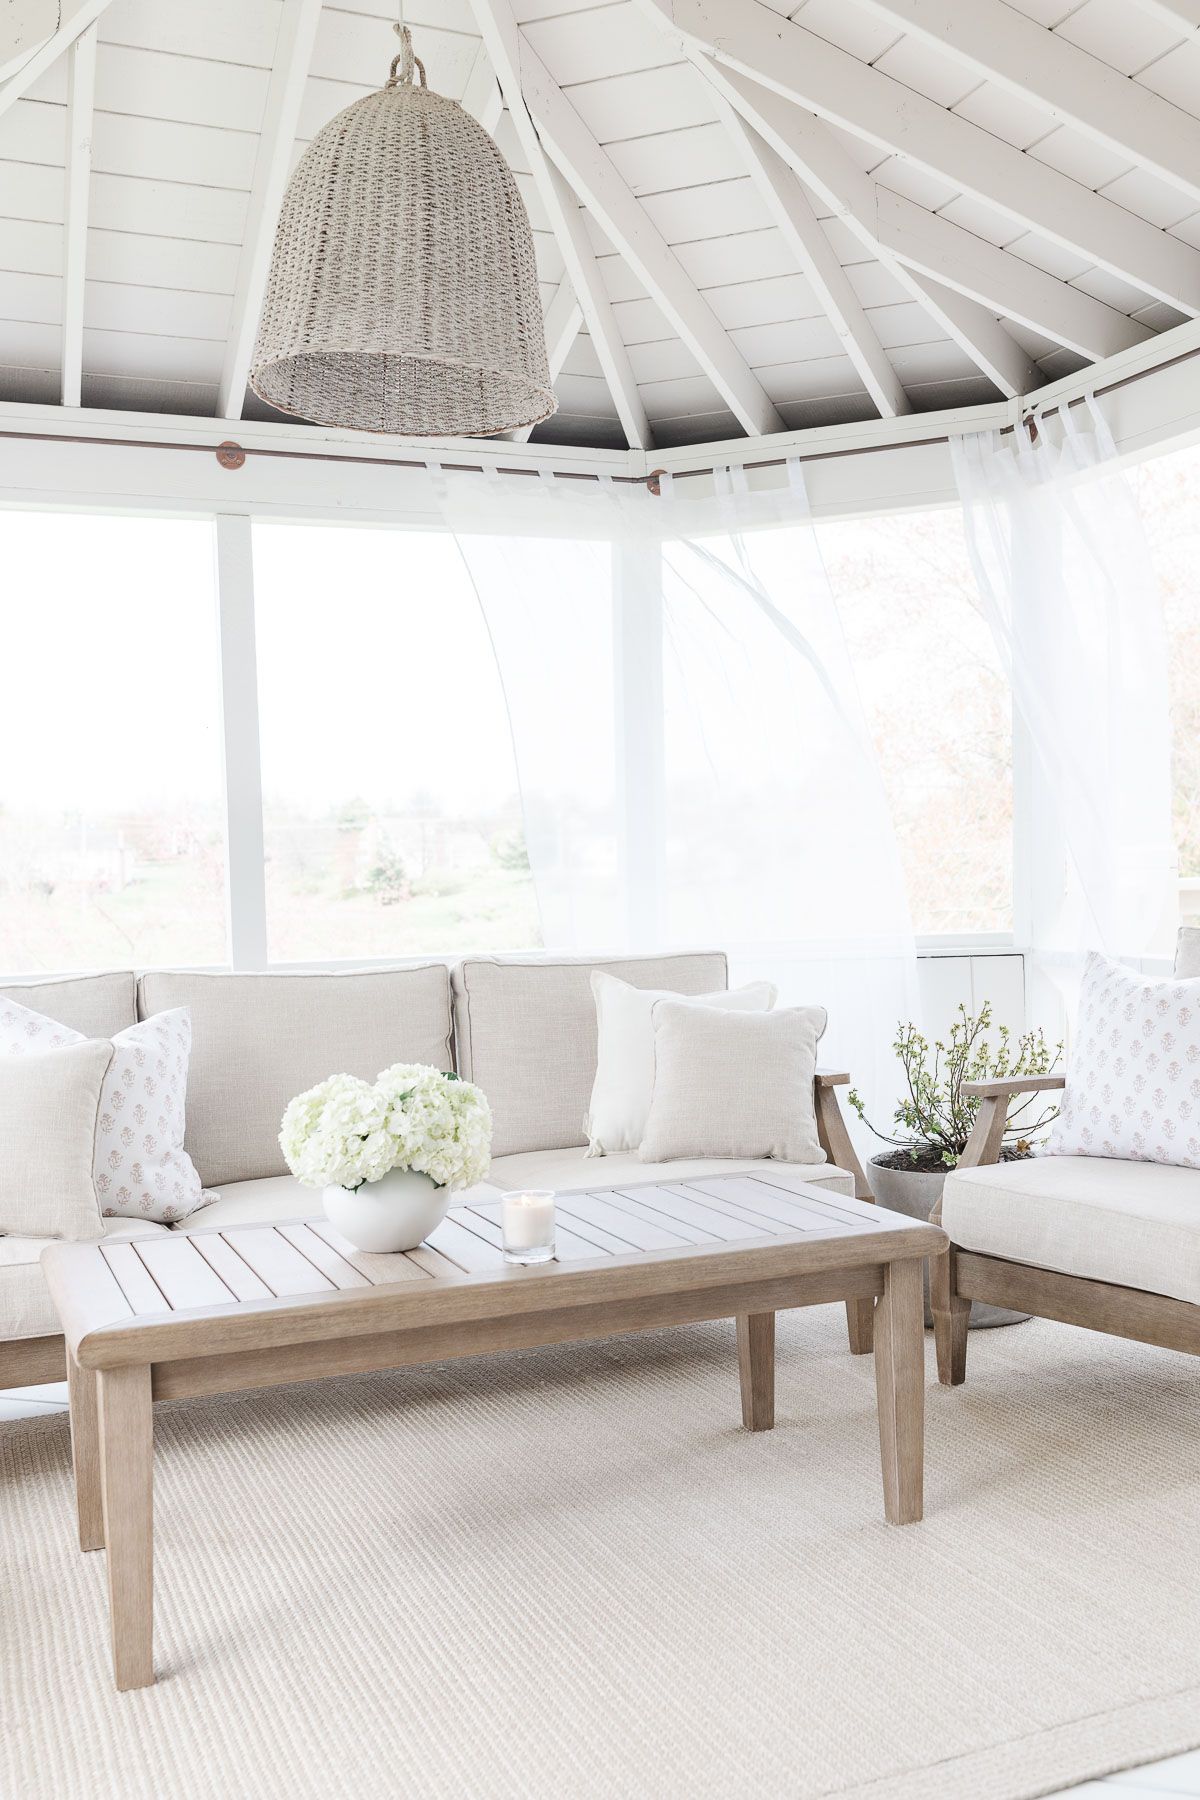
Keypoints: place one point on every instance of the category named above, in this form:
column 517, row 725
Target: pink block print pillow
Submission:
column 1133, row 1075
column 141, row 1168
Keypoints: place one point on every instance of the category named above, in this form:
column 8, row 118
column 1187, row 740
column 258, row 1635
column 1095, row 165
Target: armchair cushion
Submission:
column 1133, row 1224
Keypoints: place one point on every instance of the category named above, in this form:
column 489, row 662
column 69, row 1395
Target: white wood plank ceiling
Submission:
column 750, row 215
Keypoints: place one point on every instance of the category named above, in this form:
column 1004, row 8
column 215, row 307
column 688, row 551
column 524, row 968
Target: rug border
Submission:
column 1045, row 1762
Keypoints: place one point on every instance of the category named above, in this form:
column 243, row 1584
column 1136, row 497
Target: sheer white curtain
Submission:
column 696, row 770
column 1066, row 580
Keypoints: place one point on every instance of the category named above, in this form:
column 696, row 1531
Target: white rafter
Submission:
column 75, row 21
column 864, row 100
column 811, row 152
column 789, row 207
column 631, row 231
column 915, row 240
column 993, row 40
column 1180, row 15
column 501, row 40
column 81, row 98
column 289, row 72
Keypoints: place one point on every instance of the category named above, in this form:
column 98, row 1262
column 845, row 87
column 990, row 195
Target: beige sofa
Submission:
column 523, row 1028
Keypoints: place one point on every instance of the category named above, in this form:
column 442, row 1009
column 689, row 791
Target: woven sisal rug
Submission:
column 569, row 1575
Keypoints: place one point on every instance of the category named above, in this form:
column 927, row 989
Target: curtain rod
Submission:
column 232, row 455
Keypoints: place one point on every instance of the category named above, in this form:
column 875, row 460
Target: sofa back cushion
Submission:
column 97, row 1005
column 525, row 1032
column 259, row 1039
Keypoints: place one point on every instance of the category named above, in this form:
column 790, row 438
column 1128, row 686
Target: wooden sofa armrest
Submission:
column 831, row 1130
column 1007, row 1085
column 987, row 1133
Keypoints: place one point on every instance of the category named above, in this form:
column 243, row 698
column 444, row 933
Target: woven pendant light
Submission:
column 403, row 292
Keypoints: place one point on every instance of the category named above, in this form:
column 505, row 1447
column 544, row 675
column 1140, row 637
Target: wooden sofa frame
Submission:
column 31, row 1362
column 959, row 1276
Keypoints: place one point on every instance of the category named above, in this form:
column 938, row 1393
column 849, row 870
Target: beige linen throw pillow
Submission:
column 48, row 1109
column 625, row 1053
column 734, row 1084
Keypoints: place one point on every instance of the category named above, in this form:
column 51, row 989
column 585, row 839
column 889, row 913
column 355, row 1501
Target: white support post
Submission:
column 245, row 869
column 640, row 738
column 81, row 93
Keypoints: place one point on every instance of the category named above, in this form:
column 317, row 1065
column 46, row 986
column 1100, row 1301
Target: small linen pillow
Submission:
column 142, row 1170
column 48, row 1108
column 1133, row 1078
column 625, row 1053
column 734, row 1084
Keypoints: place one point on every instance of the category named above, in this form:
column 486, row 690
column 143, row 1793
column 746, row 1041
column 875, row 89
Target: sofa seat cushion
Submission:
column 26, row 1310
column 566, row 1169
column 1133, row 1224
column 264, row 1202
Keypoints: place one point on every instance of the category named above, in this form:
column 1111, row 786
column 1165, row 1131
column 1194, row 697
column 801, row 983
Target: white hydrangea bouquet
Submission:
column 388, row 1153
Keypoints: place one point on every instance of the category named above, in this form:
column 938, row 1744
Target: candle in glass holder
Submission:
column 527, row 1226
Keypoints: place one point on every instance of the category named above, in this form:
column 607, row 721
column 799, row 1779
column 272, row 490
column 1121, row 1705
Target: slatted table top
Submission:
column 180, row 1294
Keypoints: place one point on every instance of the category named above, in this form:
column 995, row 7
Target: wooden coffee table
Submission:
column 207, row 1312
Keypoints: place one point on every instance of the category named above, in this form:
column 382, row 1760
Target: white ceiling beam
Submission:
column 794, row 217
column 812, row 153
column 893, row 226
column 931, row 245
column 861, row 99
column 563, row 321
column 482, row 98
column 502, row 43
column 992, row 40
column 630, row 230
column 285, row 92
column 81, row 98
column 75, row 21
column 1181, row 15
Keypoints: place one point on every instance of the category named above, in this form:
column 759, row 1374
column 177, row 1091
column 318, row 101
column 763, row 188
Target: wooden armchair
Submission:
column 1060, row 1236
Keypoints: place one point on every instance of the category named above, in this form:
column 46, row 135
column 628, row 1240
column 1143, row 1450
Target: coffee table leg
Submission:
column 756, row 1362
column 126, row 1466
column 860, row 1322
column 900, row 1383
column 85, row 1454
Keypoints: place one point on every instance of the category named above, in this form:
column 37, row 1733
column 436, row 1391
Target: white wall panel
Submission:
column 164, row 209
column 113, row 306
column 668, row 99
column 180, row 87
column 182, row 264
column 671, row 159
column 821, row 375
column 599, row 43
column 236, row 31
column 788, row 341
column 670, row 360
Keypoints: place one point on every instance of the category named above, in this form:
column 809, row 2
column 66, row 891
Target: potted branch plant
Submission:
column 935, row 1117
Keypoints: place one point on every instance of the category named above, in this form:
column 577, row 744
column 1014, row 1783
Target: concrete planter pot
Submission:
column 916, row 1193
